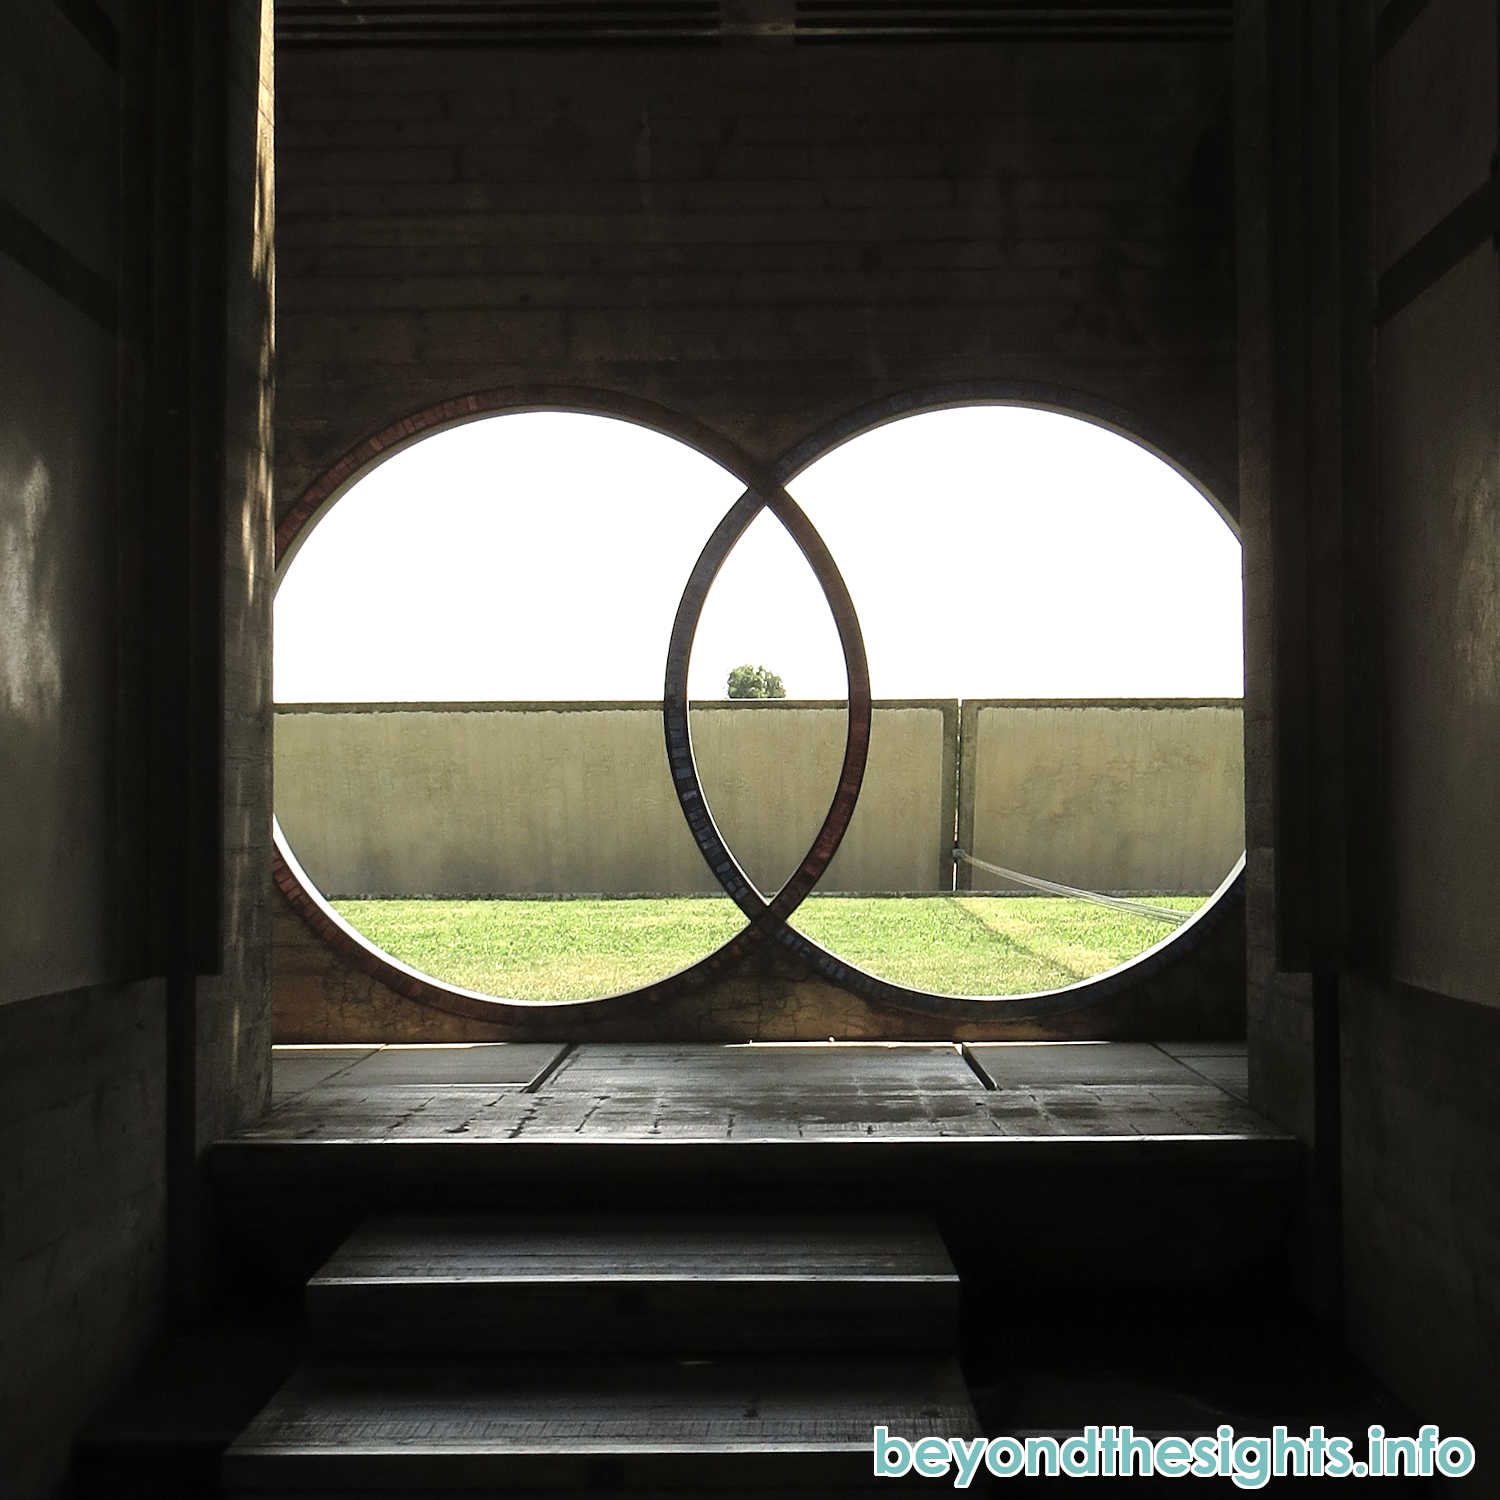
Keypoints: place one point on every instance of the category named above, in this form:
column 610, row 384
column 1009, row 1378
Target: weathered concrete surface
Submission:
column 739, row 1095
column 82, row 1107
column 1440, row 403
column 1106, row 796
column 1421, row 1135
column 1368, row 489
column 56, row 654
column 60, row 126
column 1420, row 1041
column 760, row 239
column 1093, row 1148
column 1278, row 1004
column 568, row 798
column 577, row 806
column 57, row 669
column 454, row 800
column 1435, row 107
column 232, row 1060
column 111, row 1076
column 83, row 1254
column 769, row 774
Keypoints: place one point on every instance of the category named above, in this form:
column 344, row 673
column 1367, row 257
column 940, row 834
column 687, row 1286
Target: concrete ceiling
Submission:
column 468, row 23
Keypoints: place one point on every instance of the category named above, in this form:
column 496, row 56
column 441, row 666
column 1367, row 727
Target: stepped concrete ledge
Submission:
column 645, row 1426
column 512, row 1093
column 1122, row 1163
column 634, row 1283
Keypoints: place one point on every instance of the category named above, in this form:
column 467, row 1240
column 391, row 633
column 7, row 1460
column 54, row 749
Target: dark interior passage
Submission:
column 1257, row 236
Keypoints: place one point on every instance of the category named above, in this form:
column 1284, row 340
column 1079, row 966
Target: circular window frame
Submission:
column 767, row 484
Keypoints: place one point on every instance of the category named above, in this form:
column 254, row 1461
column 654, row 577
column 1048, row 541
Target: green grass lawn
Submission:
column 572, row 950
column 982, row 945
column 547, row 950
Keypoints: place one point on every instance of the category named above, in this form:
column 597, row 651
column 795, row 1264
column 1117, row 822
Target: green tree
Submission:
column 755, row 682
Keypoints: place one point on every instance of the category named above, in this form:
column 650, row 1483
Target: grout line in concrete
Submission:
column 976, row 1068
column 548, row 1069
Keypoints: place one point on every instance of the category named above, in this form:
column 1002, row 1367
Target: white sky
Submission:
column 990, row 551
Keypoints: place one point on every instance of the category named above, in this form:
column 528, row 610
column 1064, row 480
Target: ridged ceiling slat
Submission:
column 420, row 23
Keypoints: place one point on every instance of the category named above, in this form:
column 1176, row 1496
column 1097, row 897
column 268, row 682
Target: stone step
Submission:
column 1113, row 1210
column 638, row 1285
column 736, row 1426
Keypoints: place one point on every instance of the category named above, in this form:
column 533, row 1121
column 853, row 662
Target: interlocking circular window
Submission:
column 506, row 764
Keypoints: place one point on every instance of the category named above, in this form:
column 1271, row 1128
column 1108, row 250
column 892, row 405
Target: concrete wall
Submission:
column 83, row 1186
column 772, row 771
column 759, row 238
column 233, row 1022
column 1421, row 1040
column 1370, row 385
column 1106, row 796
column 58, row 489
column 568, row 798
column 132, row 460
column 1438, row 399
column 1421, row 1135
column 82, row 1056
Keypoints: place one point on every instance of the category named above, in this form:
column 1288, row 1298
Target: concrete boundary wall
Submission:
column 1129, row 795
column 572, row 798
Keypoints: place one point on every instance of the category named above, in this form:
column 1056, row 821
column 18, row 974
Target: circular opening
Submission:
column 470, row 646
column 468, row 669
column 1080, row 600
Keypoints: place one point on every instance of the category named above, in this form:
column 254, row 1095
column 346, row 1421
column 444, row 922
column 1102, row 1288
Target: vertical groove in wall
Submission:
column 203, row 789
column 1278, row 1004
column 1362, row 636
column 1290, row 454
column 1328, row 1147
column 968, row 750
column 952, row 789
column 185, row 1211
